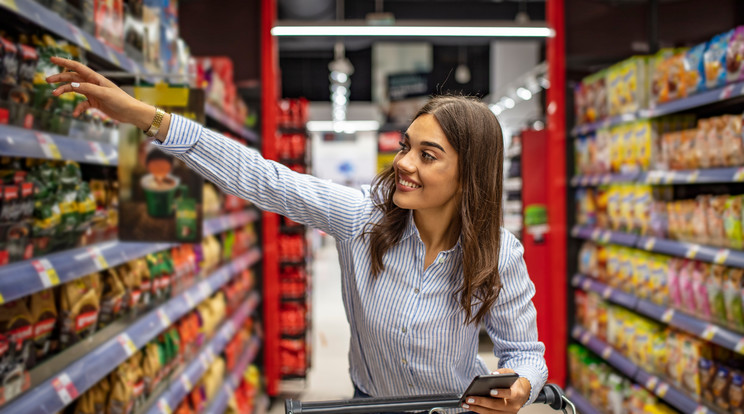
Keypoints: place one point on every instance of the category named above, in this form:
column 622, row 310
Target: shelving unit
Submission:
column 231, row 124
column 233, row 379
column 513, row 206
column 584, row 406
column 658, row 386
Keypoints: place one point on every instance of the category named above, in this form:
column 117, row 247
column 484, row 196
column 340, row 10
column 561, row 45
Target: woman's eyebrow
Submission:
column 426, row 143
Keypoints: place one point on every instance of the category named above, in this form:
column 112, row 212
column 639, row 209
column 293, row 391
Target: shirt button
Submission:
column 404, row 361
column 441, row 260
column 410, row 385
column 403, row 329
column 416, row 291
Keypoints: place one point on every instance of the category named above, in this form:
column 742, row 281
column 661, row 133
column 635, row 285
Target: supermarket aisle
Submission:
column 329, row 375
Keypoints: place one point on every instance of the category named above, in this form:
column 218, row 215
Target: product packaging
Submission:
column 715, row 60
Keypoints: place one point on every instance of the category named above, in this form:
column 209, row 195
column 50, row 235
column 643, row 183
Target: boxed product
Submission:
column 109, row 20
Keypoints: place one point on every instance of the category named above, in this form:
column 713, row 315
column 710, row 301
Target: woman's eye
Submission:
column 428, row 157
column 403, row 146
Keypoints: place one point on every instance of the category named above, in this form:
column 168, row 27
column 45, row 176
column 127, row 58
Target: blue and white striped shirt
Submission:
column 408, row 335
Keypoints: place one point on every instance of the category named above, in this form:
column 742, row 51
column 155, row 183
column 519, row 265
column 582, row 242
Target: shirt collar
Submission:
column 411, row 230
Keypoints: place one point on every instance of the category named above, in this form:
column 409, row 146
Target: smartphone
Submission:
column 482, row 385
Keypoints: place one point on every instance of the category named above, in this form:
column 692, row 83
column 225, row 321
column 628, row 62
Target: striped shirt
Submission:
column 408, row 331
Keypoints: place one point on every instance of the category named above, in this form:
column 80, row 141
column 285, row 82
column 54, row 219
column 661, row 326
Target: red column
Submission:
column 556, row 125
column 269, row 97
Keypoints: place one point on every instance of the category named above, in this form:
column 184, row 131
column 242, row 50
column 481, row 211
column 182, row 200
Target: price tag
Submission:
column 112, row 56
column 693, row 177
column 204, row 289
column 692, row 251
column 651, row 383
column 186, row 382
column 577, row 332
column 649, row 244
column 709, row 332
column 127, row 344
column 48, row 146
column 229, row 390
column 80, row 37
column 576, row 280
column 189, row 300
column 2, row 299
column 65, row 388
column 662, row 389
column 585, row 337
column 701, row 410
column 727, row 92
column 210, row 354
column 164, row 319
column 606, row 237
column 204, row 360
column 46, row 272
column 669, row 177
column 164, row 407
column 606, row 179
column 586, row 284
column 98, row 153
column 667, row 316
column 740, row 346
column 607, row 352
column 595, row 234
column 11, row 4
column 98, row 259
column 607, row 292
column 739, row 175
column 721, row 256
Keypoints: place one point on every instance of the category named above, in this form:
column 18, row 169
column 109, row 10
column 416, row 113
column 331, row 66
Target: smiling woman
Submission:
column 424, row 260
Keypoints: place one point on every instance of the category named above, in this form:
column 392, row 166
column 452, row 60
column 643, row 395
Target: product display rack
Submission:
column 658, row 386
column 513, row 208
column 584, row 406
column 233, row 379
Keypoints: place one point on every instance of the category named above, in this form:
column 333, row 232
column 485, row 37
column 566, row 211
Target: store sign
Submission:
column 160, row 198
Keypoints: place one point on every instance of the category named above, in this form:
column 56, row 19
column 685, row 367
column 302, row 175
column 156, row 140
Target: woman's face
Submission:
column 426, row 169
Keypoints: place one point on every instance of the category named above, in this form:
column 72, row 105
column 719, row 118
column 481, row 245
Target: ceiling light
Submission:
column 524, row 94
column 496, row 109
column 507, row 102
column 325, row 126
column 417, row 31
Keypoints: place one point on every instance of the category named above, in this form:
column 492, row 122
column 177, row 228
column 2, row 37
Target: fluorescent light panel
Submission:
column 418, row 31
column 327, row 126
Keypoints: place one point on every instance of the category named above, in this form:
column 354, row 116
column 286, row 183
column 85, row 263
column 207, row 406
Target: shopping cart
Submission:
column 551, row 395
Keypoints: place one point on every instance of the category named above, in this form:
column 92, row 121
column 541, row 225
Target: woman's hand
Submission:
column 102, row 94
column 506, row 400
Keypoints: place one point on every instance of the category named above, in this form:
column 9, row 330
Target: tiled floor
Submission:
column 329, row 377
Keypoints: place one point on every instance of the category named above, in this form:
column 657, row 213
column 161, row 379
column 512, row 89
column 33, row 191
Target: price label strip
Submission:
column 575, row 232
column 586, row 284
column 164, row 407
column 727, row 92
column 46, row 272
column 65, row 388
column 721, row 256
column 163, row 317
column 186, row 382
column 204, row 360
column 701, row 410
column 667, row 316
column 662, row 389
column 189, row 300
column 2, row 299
column 98, row 259
column 607, row 352
column 98, row 153
column 127, row 343
column 585, row 338
column 651, row 383
column 649, row 244
column 709, row 332
column 112, row 56
column 693, row 177
column 595, row 234
column 607, row 292
column 48, row 146
column 11, row 4
column 605, row 238
column 692, row 251
column 80, row 37
column 740, row 346
column 739, row 175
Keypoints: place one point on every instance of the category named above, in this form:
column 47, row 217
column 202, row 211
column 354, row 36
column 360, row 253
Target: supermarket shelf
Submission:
column 701, row 99
column 231, row 382
column 232, row 124
column 676, row 398
column 719, row 335
column 193, row 372
column 717, row 255
column 63, row 387
column 601, row 179
column 21, row 279
column 582, row 404
column 604, row 236
column 230, row 221
column 54, row 23
column 704, row 176
column 20, row 142
column 610, row 122
column 513, row 184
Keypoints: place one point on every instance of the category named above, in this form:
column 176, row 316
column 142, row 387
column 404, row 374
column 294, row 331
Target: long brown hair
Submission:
column 473, row 130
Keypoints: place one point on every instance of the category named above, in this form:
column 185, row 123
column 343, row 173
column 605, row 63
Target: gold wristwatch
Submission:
column 155, row 125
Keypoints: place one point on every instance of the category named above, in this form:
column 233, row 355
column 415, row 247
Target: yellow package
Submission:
column 644, row 139
column 613, row 263
column 628, row 156
column 627, row 197
column 615, row 90
column 617, row 149
column 613, row 206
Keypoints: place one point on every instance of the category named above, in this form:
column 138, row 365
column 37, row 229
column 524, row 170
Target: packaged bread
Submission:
column 44, row 313
column 113, row 297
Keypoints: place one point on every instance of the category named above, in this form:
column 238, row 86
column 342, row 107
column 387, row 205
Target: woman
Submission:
column 424, row 260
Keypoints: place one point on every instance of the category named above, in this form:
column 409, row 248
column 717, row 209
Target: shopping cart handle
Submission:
column 551, row 395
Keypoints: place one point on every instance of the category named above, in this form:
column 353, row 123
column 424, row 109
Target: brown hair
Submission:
column 473, row 130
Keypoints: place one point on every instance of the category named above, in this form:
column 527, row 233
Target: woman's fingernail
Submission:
column 75, row 85
column 470, row 400
column 465, row 406
column 494, row 393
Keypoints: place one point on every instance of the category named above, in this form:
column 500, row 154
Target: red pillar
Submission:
column 556, row 126
column 269, row 97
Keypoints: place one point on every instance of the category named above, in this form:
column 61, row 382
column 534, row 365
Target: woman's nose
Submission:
column 405, row 162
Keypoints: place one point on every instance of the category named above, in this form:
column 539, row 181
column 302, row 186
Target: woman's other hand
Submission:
column 102, row 94
column 502, row 400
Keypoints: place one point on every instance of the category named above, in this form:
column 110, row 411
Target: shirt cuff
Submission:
column 534, row 377
column 182, row 135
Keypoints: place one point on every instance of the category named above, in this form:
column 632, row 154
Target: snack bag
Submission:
column 16, row 324
column 617, row 149
column 731, row 136
column 694, row 69
column 733, row 297
column 716, row 227
column 700, row 287
column 79, row 309
column 708, row 371
column 715, row 60
column 44, row 312
column 705, row 153
column 716, row 280
column 735, row 56
column 691, row 353
column 721, row 384
column 736, row 393
column 644, row 142
column 732, row 219
column 686, row 287
column 121, row 399
column 700, row 218
column 113, row 297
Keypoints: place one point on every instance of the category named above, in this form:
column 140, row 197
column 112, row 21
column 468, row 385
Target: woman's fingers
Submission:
column 486, row 405
column 501, row 393
column 86, row 72
column 87, row 89
column 81, row 107
column 66, row 77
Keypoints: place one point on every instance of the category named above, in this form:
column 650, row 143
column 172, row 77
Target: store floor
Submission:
column 329, row 376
